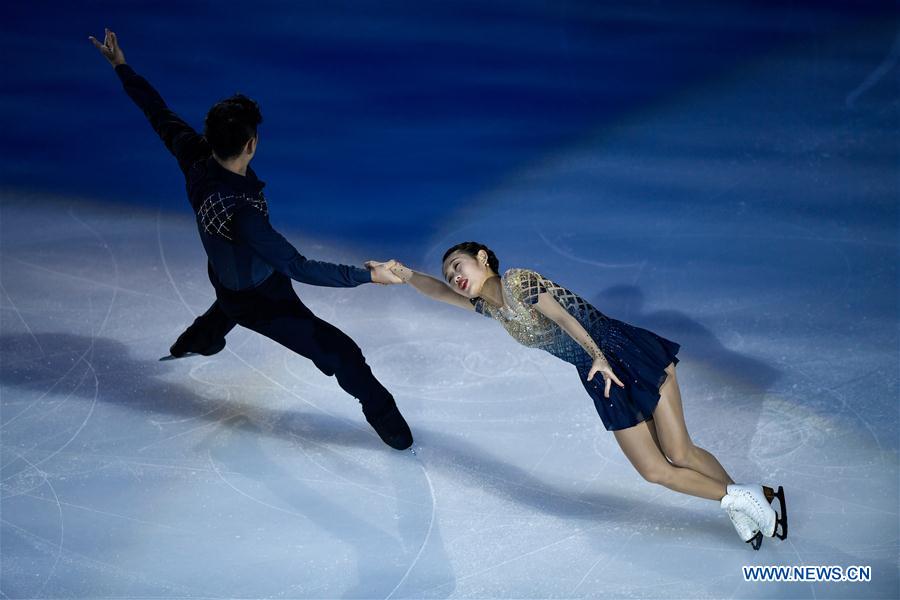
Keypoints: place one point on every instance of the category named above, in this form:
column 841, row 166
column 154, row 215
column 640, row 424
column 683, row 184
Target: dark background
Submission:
column 381, row 119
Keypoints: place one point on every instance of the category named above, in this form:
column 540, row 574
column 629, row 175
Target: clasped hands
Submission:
column 384, row 273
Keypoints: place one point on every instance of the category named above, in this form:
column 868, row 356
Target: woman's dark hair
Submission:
column 230, row 123
column 472, row 248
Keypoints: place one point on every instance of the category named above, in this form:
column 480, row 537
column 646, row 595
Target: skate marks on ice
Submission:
column 877, row 74
column 539, row 508
column 228, row 421
column 234, row 455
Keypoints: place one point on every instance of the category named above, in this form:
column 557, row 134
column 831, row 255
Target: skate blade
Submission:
column 185, row 355
column 756, row 540
column 781, row 525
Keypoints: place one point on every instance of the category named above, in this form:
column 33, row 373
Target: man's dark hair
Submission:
column 230, row 123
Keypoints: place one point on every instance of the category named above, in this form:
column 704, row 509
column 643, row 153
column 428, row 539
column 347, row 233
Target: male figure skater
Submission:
column 249, row 263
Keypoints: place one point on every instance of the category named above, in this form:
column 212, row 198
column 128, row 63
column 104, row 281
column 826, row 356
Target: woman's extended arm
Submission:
column 429, row 286
column 552, row 309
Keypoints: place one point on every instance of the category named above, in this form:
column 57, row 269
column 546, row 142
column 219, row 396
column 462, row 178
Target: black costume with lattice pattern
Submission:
column 217, row 210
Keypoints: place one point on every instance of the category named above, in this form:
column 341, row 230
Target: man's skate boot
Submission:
column 189, row 344
column 391, row 427
column 755, row 500
column 746, row 527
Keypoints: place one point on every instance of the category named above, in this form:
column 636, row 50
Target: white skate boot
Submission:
column 755, row 500
column 745, row 526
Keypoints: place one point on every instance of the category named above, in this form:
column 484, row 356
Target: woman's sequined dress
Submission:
column 637, row 356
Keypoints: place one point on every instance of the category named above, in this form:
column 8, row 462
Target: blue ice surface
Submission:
column 722, row 174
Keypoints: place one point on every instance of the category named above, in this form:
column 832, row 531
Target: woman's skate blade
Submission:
column 756, row 540
column 781, row 514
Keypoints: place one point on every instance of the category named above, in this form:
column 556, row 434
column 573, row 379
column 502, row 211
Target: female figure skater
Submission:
column 643, row 409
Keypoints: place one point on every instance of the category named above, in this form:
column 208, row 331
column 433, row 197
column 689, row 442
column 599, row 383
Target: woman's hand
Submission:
column 400, row 270
column 601, row 366
column 381, row 272
column 109, row 48
column 397, row 269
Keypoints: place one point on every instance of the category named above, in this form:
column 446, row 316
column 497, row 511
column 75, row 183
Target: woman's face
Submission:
column 466, row 274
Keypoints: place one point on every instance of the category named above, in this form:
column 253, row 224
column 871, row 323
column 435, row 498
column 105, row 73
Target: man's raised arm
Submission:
column 179, row 137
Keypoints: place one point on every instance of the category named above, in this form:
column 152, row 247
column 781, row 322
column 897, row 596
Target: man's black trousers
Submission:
column 274, row 310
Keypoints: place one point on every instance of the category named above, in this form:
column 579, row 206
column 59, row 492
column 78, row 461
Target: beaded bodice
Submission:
column 530, row 327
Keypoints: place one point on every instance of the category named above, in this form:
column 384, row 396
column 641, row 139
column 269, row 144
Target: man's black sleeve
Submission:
column 254, row 228
column 179, row 137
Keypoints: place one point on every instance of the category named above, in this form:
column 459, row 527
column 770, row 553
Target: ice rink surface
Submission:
column 753, row 219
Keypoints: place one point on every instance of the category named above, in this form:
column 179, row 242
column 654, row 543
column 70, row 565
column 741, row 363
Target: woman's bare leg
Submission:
column 638, row 445
column 651, row 425
column 673, row 435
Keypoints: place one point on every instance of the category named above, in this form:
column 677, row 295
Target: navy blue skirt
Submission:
column 639, row 359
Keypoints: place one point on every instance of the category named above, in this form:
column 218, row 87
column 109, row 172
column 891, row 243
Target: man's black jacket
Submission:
column 232, row 213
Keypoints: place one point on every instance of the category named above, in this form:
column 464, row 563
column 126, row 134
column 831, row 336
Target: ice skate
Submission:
column 755, row 500
column 746, row 527
column 182, row 348
column 781, row 525
column 391, row 427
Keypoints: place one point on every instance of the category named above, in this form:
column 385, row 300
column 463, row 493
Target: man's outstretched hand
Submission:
column 381, row 272
column 109, row 48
